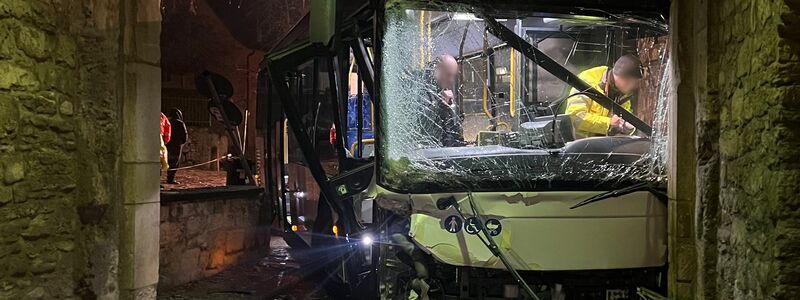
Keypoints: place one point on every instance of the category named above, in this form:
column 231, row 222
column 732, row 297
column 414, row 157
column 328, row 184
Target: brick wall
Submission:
column 59, row 143
column 743, row 69
column 200, row 238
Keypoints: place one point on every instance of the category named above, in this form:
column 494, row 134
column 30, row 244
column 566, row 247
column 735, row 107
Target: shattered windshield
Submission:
column 463, row 109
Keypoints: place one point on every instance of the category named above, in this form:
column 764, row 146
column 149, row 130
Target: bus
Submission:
column 524, row 204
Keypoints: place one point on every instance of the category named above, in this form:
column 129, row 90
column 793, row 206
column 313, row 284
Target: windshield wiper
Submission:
column 644, row 186
column 445, row 203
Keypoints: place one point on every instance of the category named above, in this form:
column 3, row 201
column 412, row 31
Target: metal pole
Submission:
column 336, row 96
column 360, row 109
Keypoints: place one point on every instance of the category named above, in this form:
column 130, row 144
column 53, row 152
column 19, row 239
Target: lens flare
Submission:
column 367, row 240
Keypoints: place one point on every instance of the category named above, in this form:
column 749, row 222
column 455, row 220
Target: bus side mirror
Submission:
column 221, row 84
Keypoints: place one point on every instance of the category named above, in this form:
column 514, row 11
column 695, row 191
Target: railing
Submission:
column 193, row 105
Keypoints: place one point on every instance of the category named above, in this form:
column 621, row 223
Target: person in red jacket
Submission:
column 166, row 128
column 165, row 133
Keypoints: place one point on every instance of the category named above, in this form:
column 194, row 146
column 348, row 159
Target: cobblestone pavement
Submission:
column 276, row 276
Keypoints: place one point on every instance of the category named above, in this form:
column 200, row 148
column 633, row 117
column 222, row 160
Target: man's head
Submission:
column 176, row 113
column 445, row 71
column 627, row 73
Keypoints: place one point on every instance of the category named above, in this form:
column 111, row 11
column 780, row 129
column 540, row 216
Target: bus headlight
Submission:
column 367, row 240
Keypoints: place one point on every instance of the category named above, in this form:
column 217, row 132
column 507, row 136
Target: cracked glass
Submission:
column 462, row 110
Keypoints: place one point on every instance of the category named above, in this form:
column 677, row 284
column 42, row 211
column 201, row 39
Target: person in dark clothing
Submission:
column 175, row 144
column 443, row 122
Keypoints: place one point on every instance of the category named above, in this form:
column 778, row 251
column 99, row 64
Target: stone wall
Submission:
column 756, row 57
column 205, row 144
column 742, row 65
column 202, row 237
column 59, row 143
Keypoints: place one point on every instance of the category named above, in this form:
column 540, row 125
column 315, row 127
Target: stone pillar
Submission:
column 706, row 214
column 681, row 168
column 140, row 166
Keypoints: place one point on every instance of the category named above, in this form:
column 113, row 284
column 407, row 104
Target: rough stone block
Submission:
column 140, row 183
column 217, row 258
column 684, row 291
column 38, row 228
column 216, row 221
column 51, row 76
column 6, row 195
column 235, row 241
column 14, row 8
column 140, row 246
column 66, row 108
column 142, row 293
column 14, row 77
column 175, row 211
column 146, row 33
column 141, row 114
column 14, row 171
column 148, row 51
column 188, row 266
column 194, row 226
column 14, row 223
column 39, row 104
column 686, row 260
column 9, row 114
column 170, row 232
column 8, row 44
column 684, row 219
column 37, row 293
column 65, row 246
column 33, row 42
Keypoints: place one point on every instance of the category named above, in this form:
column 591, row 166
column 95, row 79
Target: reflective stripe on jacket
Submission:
column 590, row 118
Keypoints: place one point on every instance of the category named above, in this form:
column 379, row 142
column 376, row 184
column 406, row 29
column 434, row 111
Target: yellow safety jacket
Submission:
column 590, row 118
column 163, row 152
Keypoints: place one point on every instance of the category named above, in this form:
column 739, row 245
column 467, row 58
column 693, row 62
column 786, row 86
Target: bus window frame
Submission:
column 518, row 44
column 281, row 65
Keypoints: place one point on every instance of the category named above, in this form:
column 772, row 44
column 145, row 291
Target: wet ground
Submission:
column 276, row 276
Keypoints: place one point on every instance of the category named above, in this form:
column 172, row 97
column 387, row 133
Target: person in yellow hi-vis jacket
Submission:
column 618, row 83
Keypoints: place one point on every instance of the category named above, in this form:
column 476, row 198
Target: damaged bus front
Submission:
column 524, row 138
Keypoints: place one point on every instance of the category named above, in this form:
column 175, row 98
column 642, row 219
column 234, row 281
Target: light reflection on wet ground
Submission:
column 276, row 276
